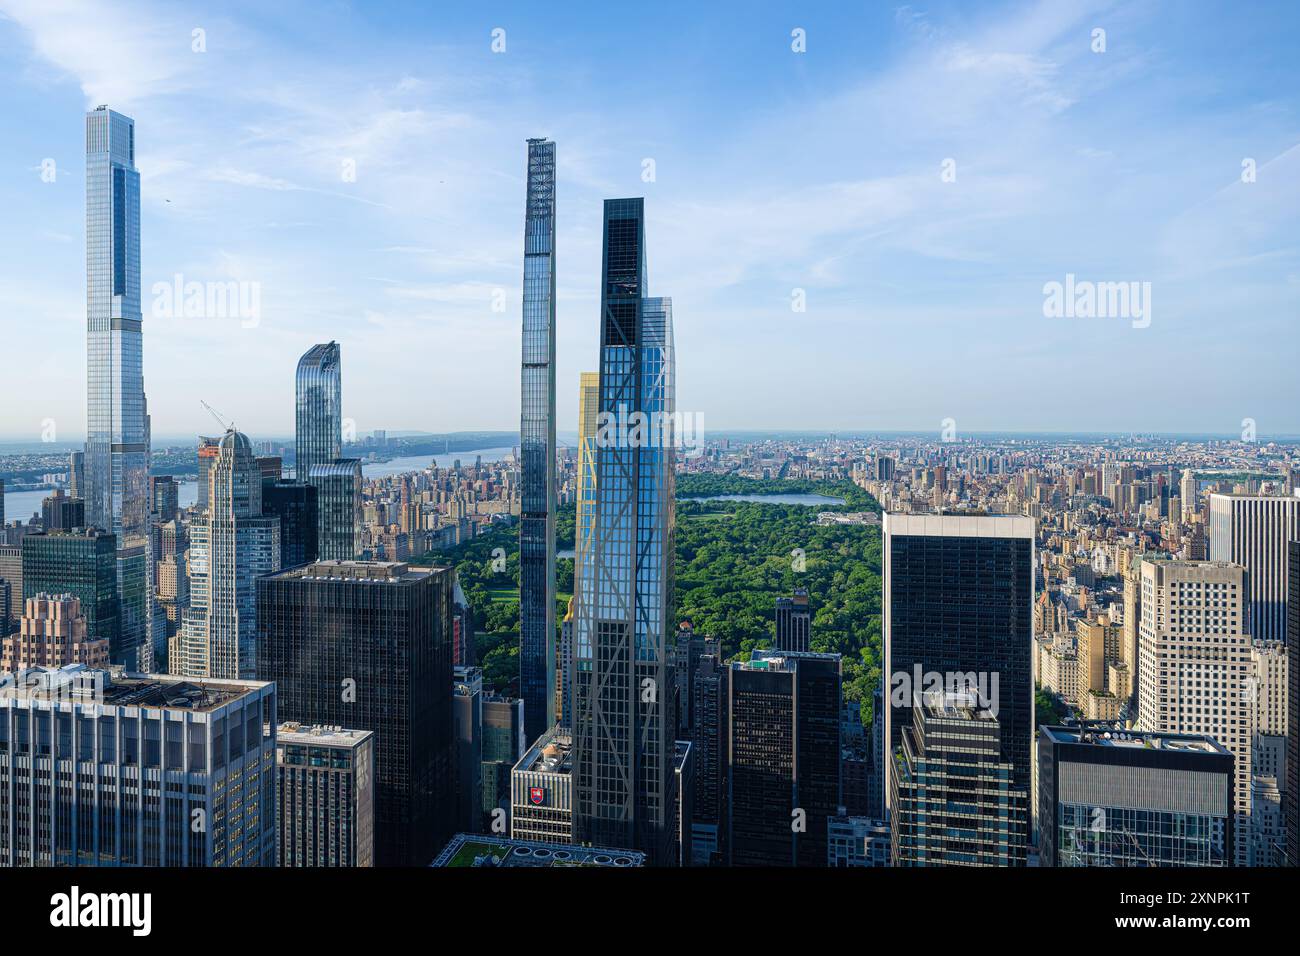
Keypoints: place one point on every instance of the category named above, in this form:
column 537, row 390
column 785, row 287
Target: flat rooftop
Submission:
column 1112, row 735
column 293, row 732
column 376, row 571
column 552, row 753
column 161, row 691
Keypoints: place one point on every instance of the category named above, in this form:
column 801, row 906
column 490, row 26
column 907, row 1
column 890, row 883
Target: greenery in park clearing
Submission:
column 734, row 559
column 1048, row 707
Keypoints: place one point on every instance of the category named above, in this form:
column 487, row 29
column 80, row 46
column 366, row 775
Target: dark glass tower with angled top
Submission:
column 319, row 418
column 623, row 741
column 537, row 447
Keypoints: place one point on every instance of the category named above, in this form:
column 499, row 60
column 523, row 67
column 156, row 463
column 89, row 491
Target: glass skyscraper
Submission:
column 117, row 440
column 116, row 464
column 319, row 416
column 338, row 508
column 623, row 740
column 537, row 448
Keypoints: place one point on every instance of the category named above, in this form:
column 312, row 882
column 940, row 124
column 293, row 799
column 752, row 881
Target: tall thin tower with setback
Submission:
column 537, row 447
column 623, row 741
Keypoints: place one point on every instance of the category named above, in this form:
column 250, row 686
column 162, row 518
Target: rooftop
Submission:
column 163, row 691
column 293, row 732
column 472, row 849
column 1106, row 734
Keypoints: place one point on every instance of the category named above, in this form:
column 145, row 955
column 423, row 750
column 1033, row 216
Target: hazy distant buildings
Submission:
column 1114, row 797
column 1253, row 531
column 537, row 447
column 180, row 773
column 325, row 796
column 623, row 734
column 367, row 645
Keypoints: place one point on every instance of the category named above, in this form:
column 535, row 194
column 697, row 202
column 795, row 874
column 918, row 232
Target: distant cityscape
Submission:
column 638, row 643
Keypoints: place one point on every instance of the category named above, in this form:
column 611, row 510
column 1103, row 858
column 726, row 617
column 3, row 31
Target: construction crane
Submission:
column 213, row 412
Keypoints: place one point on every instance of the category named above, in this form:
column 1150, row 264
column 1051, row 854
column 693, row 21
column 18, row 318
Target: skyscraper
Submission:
column 958, row 605
column 83, row 564
column 1291, row 793
column 1253, row 531
column 233, row 544
column 325, row 796
column 623, row 741
column 783, row 758
column 537, row 447
column 951, row 791
column 1114, row 797
column 338, row 508
column 182, row 772
column 117, row 440
column 319, row 410
column 793, row 622
column 367, row 645
column 1195, row 663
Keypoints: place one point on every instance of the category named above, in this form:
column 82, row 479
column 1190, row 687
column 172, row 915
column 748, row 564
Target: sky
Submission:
column 857, row 234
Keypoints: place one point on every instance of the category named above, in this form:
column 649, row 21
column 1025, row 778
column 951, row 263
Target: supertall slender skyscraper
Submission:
column 319, row 416
column 117, row 449
column 623, row 743
column 116, row 466
column 537, row 447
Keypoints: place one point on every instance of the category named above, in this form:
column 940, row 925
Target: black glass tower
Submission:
column 958, row 608
column 367, row 645
column 85, row 565
column 537, row 448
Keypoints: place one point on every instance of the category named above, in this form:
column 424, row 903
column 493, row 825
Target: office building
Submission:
column 952, row 792
column 1253, row 531
column 503, row 745
column 1195, row 664
column 76, row 477
column 164, row 498
column 958, row 608
column 173, row 773
column 1291, row 789
column 338, row 503
column 708, row 734
column 52, row 633
column 1109, row 796
column 83, row 564
column 61, row 513
column 367, row 645
column 325, row 793
column 541, row 790
column 684, row 803
column 783, row 758
column 11, row 586
column 857, row 841
column 537, row 447
column 467, row 764
column 793, row 622
column 623, row 734
column 294, row 503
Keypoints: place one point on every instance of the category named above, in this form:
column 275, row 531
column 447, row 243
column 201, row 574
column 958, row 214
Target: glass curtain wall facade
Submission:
column 319, row 417
column 338, row 506
column 537, row 447
column 116, row 465
column 624, row 736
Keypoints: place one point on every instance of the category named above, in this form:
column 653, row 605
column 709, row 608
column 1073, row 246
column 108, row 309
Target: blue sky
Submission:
column 774, row 171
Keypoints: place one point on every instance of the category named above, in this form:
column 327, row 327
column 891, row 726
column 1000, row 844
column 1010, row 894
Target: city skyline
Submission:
column 894, row 261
